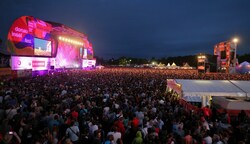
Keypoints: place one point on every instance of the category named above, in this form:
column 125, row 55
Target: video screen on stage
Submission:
column 42, row 47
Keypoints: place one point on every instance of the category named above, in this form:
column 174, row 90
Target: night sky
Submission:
column 142, row 28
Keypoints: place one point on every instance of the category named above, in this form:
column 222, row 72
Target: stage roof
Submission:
column 210, row 87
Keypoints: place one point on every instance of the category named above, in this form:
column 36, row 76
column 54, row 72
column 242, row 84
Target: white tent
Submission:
column 186, row 65
column 173, row 64
column 207, row 87
column 243, row 85
column 192, row 98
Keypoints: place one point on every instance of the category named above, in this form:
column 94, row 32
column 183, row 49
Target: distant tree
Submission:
column 178, row 60
column 123, row 61
column 138, row 61
column 113, row 61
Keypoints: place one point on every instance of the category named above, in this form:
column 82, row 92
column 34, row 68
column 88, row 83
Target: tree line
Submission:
column 178, row 60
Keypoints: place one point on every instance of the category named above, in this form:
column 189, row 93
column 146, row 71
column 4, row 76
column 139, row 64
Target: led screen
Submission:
column 67, row 56
column 22, row 33
column 42, row 47
column 89, row 54
column 84, row 53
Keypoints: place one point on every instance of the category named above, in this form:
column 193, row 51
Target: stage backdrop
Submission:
column 29, row 36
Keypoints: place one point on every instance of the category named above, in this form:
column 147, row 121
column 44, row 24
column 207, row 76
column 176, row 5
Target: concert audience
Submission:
column 118, row 105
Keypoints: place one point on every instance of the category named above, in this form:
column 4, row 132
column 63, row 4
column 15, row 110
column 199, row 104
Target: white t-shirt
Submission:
column 92, row 128
column 205, row 124
column 208, row 140
column 10, row 113
column 72, row 131
column 116, row 136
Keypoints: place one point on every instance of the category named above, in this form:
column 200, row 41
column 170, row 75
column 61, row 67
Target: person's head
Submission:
column 110, row 137
column 203, row 119
column 56, row 117
column 97, row 134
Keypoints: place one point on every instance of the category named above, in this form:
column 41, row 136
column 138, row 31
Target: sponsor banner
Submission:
column 88, row 63
column 33, row 63
column 37, row 63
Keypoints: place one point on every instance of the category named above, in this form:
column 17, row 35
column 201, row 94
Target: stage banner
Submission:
column 22, row 33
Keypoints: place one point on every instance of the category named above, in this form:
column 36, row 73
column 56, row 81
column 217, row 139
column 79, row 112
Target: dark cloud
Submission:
column 142, row 28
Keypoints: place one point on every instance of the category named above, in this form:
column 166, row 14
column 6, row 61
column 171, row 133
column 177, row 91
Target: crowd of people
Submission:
column 111, row 106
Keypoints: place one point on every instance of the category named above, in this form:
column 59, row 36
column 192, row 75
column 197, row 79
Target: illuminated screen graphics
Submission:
column 67, row 56
column 22, row 33
column 42, row 47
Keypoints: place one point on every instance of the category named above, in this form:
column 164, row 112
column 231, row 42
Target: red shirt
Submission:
column 74, row 114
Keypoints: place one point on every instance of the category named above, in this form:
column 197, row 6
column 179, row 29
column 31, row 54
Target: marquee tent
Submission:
column 208, row 88
column 192, row 98
column 243, row 85
column 173, row 64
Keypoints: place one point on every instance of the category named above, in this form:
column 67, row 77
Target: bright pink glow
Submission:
column 34, row 63
column 68, row 56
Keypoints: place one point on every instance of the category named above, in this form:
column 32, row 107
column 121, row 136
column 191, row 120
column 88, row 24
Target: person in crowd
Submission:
column 73, row 132
column 97, row 137
column 10, row 137
column 138, row 139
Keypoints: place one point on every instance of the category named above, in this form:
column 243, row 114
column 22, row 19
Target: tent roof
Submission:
column 244, row 63
column 186, row 65
column 173, row 64
column 207, row 88
column 243, row 85
column 192, row 98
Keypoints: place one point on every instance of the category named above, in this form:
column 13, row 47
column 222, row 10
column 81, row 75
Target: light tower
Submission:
column 235, row 42
column 226, row 55
column 201, row 62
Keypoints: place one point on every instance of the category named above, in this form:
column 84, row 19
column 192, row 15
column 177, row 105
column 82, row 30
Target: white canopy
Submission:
column 173, row 64
column 186, row 65
column 192, row 98
column 209, row 87
column 243, row 85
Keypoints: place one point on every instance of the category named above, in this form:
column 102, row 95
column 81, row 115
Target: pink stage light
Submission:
column 33, row 63
column 67, row 55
